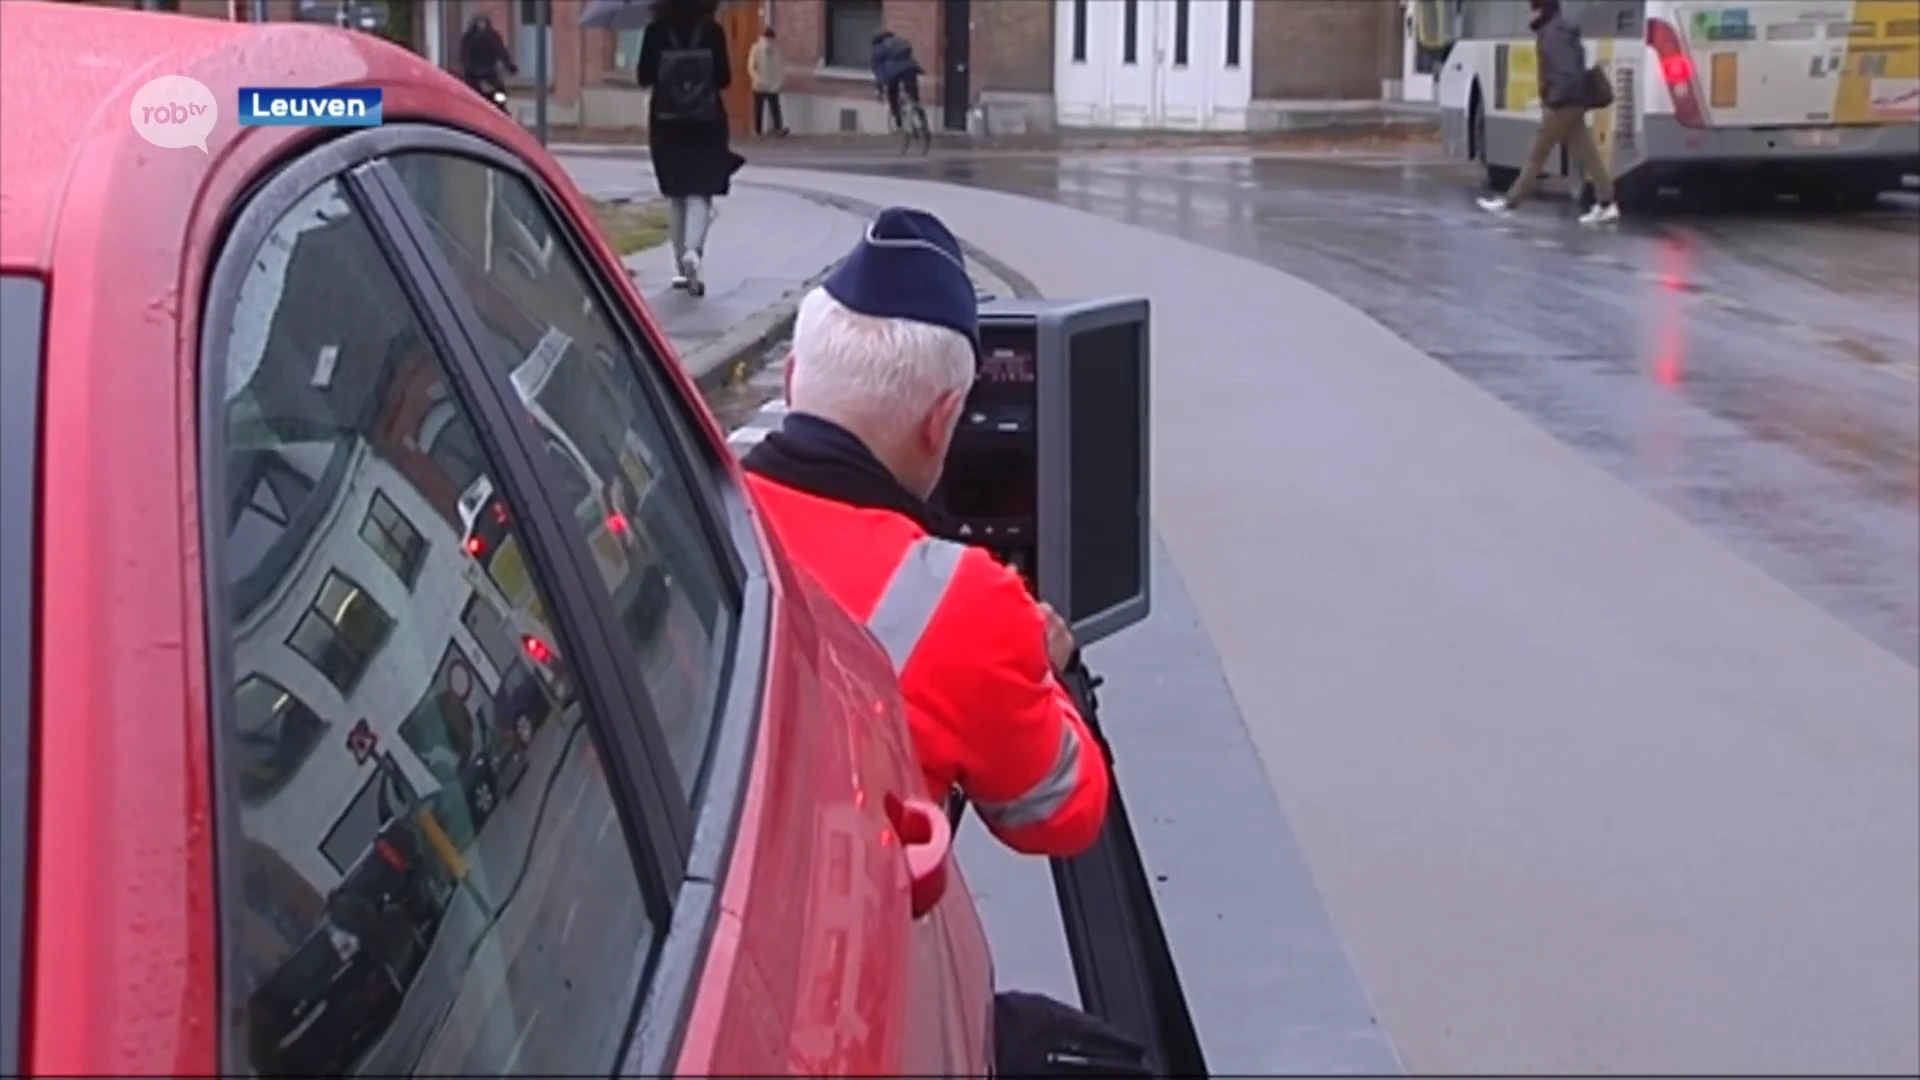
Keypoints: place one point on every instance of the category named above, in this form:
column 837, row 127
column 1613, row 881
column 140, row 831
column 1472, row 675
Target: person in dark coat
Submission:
column 482, row 55
column 683, row 63
column 1562, row 59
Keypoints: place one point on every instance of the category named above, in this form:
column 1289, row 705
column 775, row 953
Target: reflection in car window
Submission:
column 434, row 877
column 635, row 511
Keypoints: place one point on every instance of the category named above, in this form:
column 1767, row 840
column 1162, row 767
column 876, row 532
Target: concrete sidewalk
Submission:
column 765, row 249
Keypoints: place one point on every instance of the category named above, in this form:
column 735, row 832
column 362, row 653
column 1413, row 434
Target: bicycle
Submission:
column 914, row 128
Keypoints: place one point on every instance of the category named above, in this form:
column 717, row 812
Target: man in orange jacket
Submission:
column 884, row 353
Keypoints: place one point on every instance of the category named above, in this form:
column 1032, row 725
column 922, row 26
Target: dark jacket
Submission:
column 688, row 159
column 1562, row 58
column 893, row 60
column 483, row 53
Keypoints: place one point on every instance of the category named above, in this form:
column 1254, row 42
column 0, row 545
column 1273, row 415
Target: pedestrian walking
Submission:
column 768, row 73
column 1567, row 91
column 683, row 62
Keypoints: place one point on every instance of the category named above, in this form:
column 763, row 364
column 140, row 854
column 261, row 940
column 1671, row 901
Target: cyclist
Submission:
column 896, row 72
column 482, row 55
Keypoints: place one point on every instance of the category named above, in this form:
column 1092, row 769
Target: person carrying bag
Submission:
column 1568, row 90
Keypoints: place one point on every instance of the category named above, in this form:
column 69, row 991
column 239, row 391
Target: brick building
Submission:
column 1010, row 65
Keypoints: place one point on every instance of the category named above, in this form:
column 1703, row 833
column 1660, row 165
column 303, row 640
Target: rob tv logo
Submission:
column 174, row 112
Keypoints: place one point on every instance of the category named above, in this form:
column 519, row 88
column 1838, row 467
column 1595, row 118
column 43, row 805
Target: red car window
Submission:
column 637, row 516
column 434, row 877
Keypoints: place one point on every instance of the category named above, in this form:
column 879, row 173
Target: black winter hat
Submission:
column 909, row 266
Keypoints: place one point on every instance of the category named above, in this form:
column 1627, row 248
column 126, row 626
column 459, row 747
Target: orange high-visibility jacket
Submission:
column 969, row 645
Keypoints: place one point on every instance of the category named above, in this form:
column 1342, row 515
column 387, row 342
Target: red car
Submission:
column 263, row 679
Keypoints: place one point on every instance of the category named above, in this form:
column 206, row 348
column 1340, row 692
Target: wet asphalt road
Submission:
column 1757, row 372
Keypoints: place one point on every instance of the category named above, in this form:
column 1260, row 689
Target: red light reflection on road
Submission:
column 1675, row 273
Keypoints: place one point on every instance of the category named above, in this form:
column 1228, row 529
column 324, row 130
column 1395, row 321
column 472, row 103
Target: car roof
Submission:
column 70, row 72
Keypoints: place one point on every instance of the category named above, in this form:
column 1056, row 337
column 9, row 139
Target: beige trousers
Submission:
column 1568, row 126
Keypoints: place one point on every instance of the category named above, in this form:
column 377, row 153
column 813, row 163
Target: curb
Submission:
column 731, row 358
column 1016, row 282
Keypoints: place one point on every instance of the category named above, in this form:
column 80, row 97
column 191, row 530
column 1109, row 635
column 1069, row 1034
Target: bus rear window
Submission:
column 22, row 302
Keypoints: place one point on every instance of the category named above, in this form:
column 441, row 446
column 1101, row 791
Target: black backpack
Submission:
column 685, row 90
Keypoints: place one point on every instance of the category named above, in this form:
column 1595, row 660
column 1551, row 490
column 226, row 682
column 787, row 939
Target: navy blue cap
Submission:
column 909, row 266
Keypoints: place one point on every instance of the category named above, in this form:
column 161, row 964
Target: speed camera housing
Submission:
column 1050, row 463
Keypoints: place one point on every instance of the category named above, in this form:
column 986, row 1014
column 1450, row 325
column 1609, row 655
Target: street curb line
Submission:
column 1022, row 286
column 735, row 355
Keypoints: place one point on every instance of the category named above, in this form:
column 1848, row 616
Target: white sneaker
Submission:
column 1599, row 214
column 679, row 281
column 690, row 269
column 1495, row 204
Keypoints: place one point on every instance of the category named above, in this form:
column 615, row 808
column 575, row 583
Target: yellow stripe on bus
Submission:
column 1879, row 78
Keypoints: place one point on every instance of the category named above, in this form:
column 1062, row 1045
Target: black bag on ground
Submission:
column 1036, row 1036
column 1598, row 90
column 686, row 90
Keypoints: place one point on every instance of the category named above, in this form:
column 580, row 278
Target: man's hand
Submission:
column 1059, row 638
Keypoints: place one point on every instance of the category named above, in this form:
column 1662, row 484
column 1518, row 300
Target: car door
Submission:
column 832, row 973
column 391, row 904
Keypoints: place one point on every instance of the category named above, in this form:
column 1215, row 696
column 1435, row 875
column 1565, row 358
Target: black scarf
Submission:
column 826, row 460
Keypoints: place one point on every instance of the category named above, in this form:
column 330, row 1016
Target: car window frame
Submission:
column 23, row 300
column 697, row 459
column 579, row 613
column 723, row 508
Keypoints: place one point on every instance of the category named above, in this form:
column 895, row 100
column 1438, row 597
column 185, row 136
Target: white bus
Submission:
column 1816, row 97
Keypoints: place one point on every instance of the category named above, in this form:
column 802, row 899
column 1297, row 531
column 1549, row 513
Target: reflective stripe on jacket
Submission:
column 968, row 643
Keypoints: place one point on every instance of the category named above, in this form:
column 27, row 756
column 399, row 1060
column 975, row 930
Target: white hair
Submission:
column 883, row 375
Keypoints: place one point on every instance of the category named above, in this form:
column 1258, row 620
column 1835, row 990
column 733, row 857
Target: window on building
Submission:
column 850, row 27
column 626, row 51
column 617, row 460
column 1130, row 32
column 1079, row 31
column 1233, row 33
column 448, row 885
column 392, row 537
column 340, row 631
column 1182, row 17
column 274, row 732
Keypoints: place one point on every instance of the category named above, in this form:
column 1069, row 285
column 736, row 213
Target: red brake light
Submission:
column 1676, row 70
column 476, row 547
column 537, row 649
column 617, row 524
column 390, row 855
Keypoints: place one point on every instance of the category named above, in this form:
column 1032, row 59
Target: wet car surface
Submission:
column 1753, row 369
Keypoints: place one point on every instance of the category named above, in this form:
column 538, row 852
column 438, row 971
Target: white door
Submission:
column 1178, row 64
column 1133, row 77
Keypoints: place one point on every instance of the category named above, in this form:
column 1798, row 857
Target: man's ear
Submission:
column 942, row 419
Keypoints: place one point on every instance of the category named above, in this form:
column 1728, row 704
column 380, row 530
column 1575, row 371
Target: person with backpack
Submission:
column 683, row 62
column 1567, row 91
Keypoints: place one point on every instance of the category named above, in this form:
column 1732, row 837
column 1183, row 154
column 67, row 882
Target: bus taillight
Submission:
column 1676, row 70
